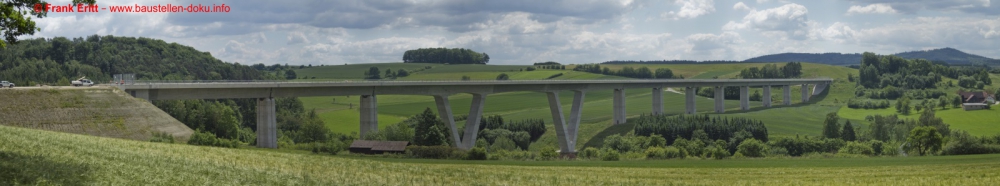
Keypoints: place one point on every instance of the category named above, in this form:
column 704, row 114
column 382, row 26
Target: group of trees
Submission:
column 373, row 73
column 445, row 56
column 790, row 70
column 884, row 71
column 685, row 126
column 667, row 62
column 639, row 73
column 891, row 92
column 554, row 67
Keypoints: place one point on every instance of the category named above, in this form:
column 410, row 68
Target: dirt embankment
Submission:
column 97, row 111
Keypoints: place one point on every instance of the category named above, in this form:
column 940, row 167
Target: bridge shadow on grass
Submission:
column 20, row 169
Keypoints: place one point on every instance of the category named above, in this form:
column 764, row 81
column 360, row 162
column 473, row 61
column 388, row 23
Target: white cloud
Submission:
column 913, row 6
column 741, row 6
column 296, row 38
column 691, row 9
column 787, row 21
column 971, row 34
column 871, row 9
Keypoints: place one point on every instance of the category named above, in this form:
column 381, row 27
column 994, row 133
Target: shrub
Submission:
column 877, row 147
column 503, row 143
column 548, row 153
column 752, row 148
column 857, row 148
column 963, row 143
column 777, row 151
column 656, row 153
column 162, row 137
column 209, row 139
column 589, row 153
column 431, row 152
column 672, row 152
column 715, row 152
column 610, row 155
column 477, row 153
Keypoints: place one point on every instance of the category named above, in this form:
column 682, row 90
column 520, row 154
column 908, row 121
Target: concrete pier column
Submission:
column 689, row 102
column 657, row 101
column 766, row 98
column 720, row 97
column 141, row 94
column 369, row 114
column 787, row 89
column 267, row 128
column 805, row 93
column 472, row 121
column 444, row 111
column 744, row 98
column 619, row 106
column 566, row 132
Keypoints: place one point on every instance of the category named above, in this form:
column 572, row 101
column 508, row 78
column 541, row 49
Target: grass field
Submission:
column 35, row 157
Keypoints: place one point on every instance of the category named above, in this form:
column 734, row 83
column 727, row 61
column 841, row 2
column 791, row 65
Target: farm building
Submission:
column 378, row 147
column 976, row 100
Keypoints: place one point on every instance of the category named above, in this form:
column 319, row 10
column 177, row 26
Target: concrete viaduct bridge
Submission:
column 566, row 130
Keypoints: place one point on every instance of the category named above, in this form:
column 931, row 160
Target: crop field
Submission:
column 33, row 157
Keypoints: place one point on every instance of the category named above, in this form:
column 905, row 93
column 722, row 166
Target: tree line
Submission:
column 445, row 56
column 878, row 71
column 667, row 62
column 684, row 126
column 789, row 70
column 630, row 72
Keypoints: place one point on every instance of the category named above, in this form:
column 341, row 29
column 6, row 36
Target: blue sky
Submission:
column 526, row 31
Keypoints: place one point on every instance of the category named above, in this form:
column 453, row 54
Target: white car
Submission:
column 6, row 84
column 82, row 82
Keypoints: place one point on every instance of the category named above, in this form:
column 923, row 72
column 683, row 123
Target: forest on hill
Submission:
column 56, row 61
column 948, row 56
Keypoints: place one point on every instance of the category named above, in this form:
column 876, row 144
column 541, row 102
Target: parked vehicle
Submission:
column 83, row 81
column 6, row 84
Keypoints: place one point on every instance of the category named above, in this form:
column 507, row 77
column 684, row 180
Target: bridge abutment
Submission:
column 720, row 98
column 766, row 98
column 369, row 114
column 689, row 102
column 619, row 106
column 566, row 131
column 267, row 128
column 657, row 101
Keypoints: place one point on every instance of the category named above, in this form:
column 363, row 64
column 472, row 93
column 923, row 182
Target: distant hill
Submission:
column 950, row 56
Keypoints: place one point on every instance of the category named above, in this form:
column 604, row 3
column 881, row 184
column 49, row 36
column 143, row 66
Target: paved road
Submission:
column 55, row 87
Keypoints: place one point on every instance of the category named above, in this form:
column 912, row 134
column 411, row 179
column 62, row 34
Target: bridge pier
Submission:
column 819, row 88
column 619, row 106
column 766, row 98
column 471, row 123
column 267, row 128
column 744, row 98
column 787, row 89
column 689, row 102
column 141, row 94
column 805, row 93
column 369, row 114
column 657, row 101
column 566, row 132
column 720, row 97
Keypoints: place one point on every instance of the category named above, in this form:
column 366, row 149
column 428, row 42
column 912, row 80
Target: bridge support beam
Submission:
column 619, row 106
column 267, row 128
column 689, row 102
column 766, row 98
column 805, row 93
column 720, row 98
column 657, row 101
column 141, row 94
column 369, row 114
column 744, row 98
column 819, row 88
column 471, row 124
column 566, row 131
column 787, row 89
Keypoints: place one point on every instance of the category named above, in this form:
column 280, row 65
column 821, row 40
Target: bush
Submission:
column 656, row 153
column 162, row 137
column 752, row 148
column 610, row 155
column 548, row 153
column 877, row 147
column 777, row 151
column 432, row 152
column 477, row 153
column 715, row 152
column 857, row 148
column 963, row 143
column 209, row 139
column 503, row 143
column 589, row 153
column 673, row 152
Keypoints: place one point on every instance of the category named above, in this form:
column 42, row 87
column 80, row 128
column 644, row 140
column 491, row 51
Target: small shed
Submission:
column 378, row 147
column 974, row 106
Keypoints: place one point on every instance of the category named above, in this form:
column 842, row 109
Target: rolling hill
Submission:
column 950, row 56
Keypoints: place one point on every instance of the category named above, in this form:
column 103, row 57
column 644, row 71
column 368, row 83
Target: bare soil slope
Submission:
column 97, row 111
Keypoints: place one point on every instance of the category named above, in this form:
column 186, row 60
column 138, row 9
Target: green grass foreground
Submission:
column 35, row 157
